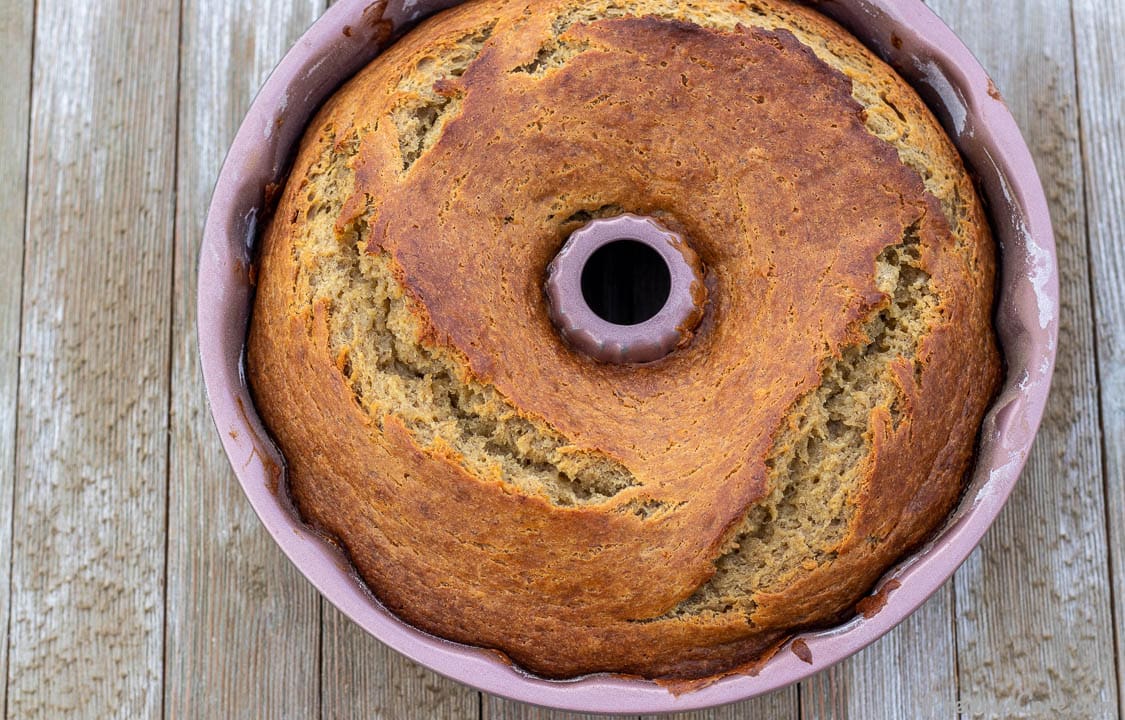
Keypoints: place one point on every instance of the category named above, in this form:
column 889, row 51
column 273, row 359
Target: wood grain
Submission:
column 780, row 705
column 914, row 666
column 1033, row 622
column 87, row 574
column 362, row 678
column 15, row 104
column 1100, row 25
column 100, row 274
column 497, row 708
column 242, row 625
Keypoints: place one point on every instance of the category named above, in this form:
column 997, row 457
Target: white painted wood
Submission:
column 15, row 104
column 88, row 553
column 243, row 626
column 1099, row 28
column 1034, row 628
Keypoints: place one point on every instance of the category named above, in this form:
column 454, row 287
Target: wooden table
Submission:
column 137, row 581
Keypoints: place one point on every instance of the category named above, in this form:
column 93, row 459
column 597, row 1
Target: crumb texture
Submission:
column 816, row 464
column 420, row 116
column 375, row 335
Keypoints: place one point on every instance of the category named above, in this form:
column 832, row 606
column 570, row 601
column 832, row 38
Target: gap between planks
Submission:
column 329, row 620
column 241, row 624
column 17, row 23
column 1032, row 601
column 1101, row 87
column 85, row 580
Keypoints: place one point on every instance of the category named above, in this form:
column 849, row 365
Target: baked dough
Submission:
column 670, row 520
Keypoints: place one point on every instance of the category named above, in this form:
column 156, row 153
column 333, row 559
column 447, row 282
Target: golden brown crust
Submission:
column 752, row 145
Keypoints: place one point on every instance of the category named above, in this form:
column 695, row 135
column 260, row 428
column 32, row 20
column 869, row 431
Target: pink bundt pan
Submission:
column 927, row 54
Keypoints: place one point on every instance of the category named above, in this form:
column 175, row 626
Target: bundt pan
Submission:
column 927, row 54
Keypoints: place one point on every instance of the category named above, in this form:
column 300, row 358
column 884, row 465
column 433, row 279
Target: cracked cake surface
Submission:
column 678, row 519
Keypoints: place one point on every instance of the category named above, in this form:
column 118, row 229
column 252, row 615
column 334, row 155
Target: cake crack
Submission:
column 816, row 462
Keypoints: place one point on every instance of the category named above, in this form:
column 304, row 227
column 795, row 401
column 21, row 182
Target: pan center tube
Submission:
column 625, row 290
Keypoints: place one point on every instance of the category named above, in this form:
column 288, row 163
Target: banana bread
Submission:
column 676, row 519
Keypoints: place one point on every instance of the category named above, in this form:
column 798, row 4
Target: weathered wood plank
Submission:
column 351, row 659
column 1033, row 621
column 783, row 704
column 1099, row 27
column 913, row 666
column 364, row 679
column 496, row 708
column 88, row 551
column 242, row 625
column 15, row 104
column 778, row 705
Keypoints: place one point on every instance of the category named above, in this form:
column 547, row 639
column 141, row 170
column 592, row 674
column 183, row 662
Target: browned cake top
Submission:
column 674, row 519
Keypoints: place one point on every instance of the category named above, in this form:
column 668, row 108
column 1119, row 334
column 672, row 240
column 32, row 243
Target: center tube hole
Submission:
column 626, row 282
